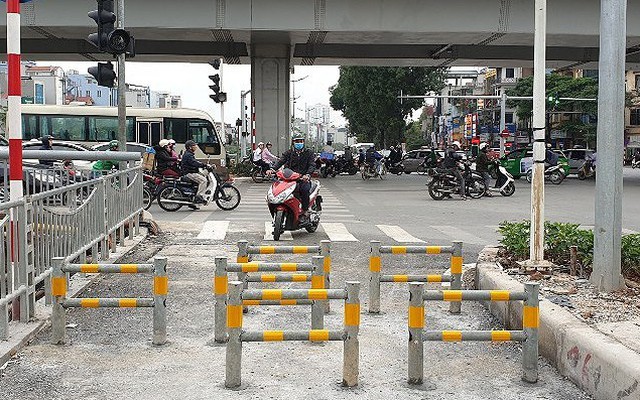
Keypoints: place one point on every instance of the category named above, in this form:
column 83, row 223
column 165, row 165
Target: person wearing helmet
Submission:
column 450, row 162
column 267, row 156
column 173, row 152
column 166, row 163
column 551, row 157
column 257, row 158
column 102, row 166
column 348, row 154
column 190, row 168
column 47, row 144
column 482, row 165
column 300, row 160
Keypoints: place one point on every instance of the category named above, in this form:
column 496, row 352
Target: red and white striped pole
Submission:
column 14, row 123
column 253, row 124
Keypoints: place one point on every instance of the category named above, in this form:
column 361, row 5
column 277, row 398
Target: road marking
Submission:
column 398, row 234
column 337, row 232
column 458, row 234
column 214, row 230
column 268, row 232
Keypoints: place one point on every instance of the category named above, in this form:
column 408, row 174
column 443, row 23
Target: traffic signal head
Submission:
column 104, row 74
column 108, row 39
column 215, row 63
column 217, row 96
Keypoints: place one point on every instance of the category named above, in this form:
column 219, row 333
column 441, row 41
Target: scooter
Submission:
column 286, row 209
column 176, row 193
column 444, row 183
column 504, row 180
column 554, row 174
column 587, row 170
column 394, row 167
column 635, row 163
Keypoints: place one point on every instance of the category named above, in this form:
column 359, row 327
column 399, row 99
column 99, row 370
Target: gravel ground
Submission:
column 109, row 355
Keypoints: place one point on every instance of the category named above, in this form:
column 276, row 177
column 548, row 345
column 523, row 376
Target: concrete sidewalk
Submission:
column 111, row 349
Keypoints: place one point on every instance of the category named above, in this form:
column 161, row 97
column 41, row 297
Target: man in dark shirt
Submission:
column 300, row 160
column 47, row 142
column 450, row 162
column 191, row 168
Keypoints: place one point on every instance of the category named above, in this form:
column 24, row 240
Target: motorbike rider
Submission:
column 301, row 160
column 257, row 158
column 47, row 142
column 267, row 156
column 166, row 164
column 550, row 156
column 450, row 162
column 348, row 154
column 101, row 166
column 361, row 157
column 327, row 155
column 190, row 167
column 482, row 166
column 372, row 158
column 172, row 150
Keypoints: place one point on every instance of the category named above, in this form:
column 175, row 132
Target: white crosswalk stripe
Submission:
column 398, row 234
column 268, row 233
column 458, row 234
column 214, row 230
column 337, row 232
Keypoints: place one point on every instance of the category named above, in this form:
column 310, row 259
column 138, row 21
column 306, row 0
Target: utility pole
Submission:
column 122, row 89
column 536, row 246
column 224, row 128
column 606, row 275
column 503, row 117
column 242, row 140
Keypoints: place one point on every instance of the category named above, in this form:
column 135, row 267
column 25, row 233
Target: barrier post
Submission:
column 325, row 252
column 243, row 257
column 456, row 275
column 416, row 325
column 59, row 294
column 530, row 323
column 220, row 290
column 317, row 282
column 160, row 290
column 374, row 280
column 234, row 345
column 351, row 357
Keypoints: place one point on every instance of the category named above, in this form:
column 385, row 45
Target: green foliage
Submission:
column 515, row 237
column 631, row 254
column 414, row 136
column 241, row 169
column 367, row 96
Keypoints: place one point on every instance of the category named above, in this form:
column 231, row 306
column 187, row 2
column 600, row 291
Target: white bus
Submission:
column 92, row 125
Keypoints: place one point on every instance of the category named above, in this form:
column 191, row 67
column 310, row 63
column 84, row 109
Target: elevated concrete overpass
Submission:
column 273, row 35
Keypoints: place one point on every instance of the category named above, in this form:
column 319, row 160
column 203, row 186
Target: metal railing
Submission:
column 70, row 221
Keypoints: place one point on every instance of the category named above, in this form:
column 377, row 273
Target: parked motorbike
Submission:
column 286, row 209
column 328, row 169
column 427, row 164
column 394, row 167
column 504, row 180
column 444, row 183
column 373, row 170
column 635, row 163
column 587, row 170
column 176, row 193
column 554, row 174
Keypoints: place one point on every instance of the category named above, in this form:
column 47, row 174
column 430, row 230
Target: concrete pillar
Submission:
column 270, row 74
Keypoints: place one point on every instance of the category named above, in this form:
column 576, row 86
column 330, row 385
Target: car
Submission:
column 519, row 161
column 59, row 145
column 413, row 159
column 131, row 146
column 576, row 158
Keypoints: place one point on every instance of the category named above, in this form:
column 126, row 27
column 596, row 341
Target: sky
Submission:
column 191, row 82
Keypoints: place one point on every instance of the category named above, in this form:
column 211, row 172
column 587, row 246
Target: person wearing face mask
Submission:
column 300, row 160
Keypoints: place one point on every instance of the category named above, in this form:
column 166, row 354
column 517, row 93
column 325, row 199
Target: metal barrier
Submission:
column 65, row 222
column 349, row 336
column 528, row 336
column 245, row 251
column 375, row 266
column 158, row 302
column 221, row 279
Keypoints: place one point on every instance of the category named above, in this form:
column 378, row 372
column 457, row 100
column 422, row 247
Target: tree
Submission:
column 367, row 96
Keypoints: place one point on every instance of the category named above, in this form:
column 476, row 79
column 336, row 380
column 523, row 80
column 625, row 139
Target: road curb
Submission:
column 595, row 362
column 20, row 334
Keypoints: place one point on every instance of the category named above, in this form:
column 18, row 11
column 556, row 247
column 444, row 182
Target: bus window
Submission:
column 103, row 129
column 202, row 132
column 176, row 129
column 68, row 128
column 29, row 128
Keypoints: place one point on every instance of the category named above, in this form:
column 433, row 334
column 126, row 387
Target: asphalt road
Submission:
column 109, row 355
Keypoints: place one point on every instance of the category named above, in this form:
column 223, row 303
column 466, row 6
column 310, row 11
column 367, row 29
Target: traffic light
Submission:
column 553, row 100
column 104, row 74
column 217, row 96
column 108, row 39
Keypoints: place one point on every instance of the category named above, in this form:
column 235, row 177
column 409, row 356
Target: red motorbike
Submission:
column 286, row 208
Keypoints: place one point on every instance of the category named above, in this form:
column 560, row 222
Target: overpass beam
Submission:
column 606, row 275
column 270, row 75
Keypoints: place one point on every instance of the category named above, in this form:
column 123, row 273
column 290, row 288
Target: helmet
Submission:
column 482, row 146
column 455, row 143
column 297, row 136
column 47, row 137
column 113, row 144
column 189, row 143
column 171, row 141
column 164, row 143
column 548, row 145
column 269, row 144
column 260, row 144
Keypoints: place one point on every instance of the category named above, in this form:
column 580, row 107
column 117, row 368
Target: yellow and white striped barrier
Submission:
column 157, row 302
